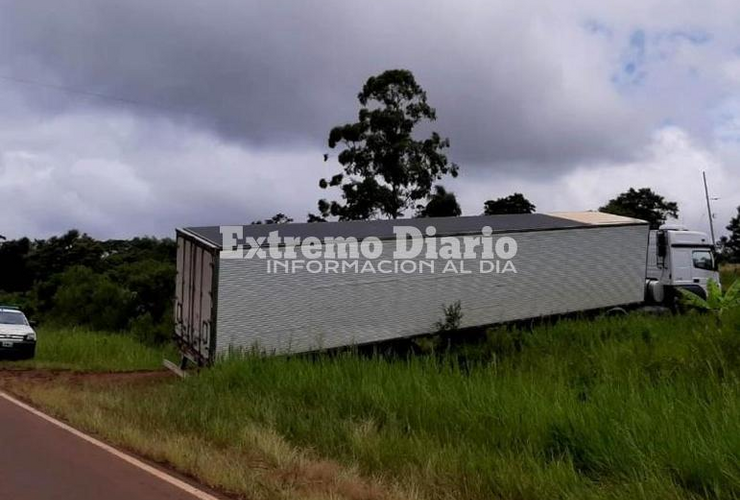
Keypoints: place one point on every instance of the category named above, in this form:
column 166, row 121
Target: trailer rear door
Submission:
column 194, row 299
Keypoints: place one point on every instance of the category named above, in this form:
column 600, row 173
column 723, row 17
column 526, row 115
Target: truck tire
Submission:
column 616, row 311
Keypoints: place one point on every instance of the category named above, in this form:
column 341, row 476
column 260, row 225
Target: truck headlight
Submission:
column 30, row 336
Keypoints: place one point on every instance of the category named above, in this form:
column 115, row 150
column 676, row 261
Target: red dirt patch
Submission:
column 79, row 378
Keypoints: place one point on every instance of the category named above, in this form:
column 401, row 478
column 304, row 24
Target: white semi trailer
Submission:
column 292, row 288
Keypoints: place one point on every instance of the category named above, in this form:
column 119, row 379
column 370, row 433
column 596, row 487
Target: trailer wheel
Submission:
column 617, row 311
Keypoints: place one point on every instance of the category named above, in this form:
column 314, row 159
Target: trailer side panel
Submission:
column 557, row 272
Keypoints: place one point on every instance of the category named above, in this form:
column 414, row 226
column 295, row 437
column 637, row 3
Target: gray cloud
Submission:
column 508, row 84
column 117, row 175
column 224, row 107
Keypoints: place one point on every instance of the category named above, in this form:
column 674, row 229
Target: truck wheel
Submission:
column 676, row 305
column 616, row 311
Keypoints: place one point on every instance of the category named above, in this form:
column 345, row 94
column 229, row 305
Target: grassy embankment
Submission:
column 85, row 350
column 632, row 407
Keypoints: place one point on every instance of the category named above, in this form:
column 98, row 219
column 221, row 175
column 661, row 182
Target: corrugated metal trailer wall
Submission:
column 558, row 271
column 195, row 298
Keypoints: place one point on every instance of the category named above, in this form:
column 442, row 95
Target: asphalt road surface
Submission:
column 40, row 461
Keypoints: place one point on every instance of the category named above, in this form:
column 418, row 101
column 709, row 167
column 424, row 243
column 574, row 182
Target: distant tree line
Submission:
column 74, row 279
column 729, row 246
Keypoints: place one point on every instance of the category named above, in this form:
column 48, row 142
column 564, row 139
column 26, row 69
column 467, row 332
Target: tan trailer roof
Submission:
column 596, row 218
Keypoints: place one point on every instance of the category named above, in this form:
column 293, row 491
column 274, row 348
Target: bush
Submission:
column 148, row 331
column 87, row 298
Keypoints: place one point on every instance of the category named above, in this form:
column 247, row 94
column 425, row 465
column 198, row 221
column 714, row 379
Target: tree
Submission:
column 279, row 218
column 52, row 256
column 642, row 204
column 512, row 204
column 314, row 218
column 441, row 204
column 385, row 169
column 120, row 252
column 151, row 283
column 731, row 243
column 85, row 297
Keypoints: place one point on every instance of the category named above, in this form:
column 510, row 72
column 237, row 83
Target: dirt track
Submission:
column 35, row 375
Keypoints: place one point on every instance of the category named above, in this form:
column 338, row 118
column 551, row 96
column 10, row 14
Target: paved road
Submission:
column 40, row 461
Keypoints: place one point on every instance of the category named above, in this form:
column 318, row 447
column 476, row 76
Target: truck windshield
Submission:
column 703, row 259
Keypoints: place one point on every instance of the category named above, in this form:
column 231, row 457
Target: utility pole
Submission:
column 709, row 207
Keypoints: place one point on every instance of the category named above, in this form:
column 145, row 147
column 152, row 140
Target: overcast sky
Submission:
column 136, row 117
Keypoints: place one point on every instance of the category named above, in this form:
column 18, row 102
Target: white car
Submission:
column 17, row 337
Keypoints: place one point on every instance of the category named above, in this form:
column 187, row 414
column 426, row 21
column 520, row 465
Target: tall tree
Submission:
column 442, row 203
column 385, row 170
column 56, row 254
column 731, row 244
column 642, row 204
column 512, row 204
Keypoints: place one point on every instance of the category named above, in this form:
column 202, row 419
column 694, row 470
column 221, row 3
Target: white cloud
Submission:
column 671, row 165
column 122, row 176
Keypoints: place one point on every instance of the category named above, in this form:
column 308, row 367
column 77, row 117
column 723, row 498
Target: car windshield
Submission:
column 12, row 318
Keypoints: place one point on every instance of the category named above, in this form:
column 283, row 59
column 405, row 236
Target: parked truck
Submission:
column 247, row 288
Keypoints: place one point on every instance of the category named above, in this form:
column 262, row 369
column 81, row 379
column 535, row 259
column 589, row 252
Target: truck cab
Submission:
column 678, row 259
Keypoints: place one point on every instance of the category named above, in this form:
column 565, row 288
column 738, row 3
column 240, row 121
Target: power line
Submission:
column 97, row 95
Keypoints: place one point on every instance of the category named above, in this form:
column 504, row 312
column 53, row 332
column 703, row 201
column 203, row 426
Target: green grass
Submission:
column 86, row 350
column 582, row 408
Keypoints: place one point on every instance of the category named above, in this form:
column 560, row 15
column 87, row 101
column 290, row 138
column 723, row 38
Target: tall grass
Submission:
column 87, row 350
column 610, row 406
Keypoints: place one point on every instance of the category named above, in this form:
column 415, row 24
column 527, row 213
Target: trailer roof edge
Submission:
column 445, row 226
